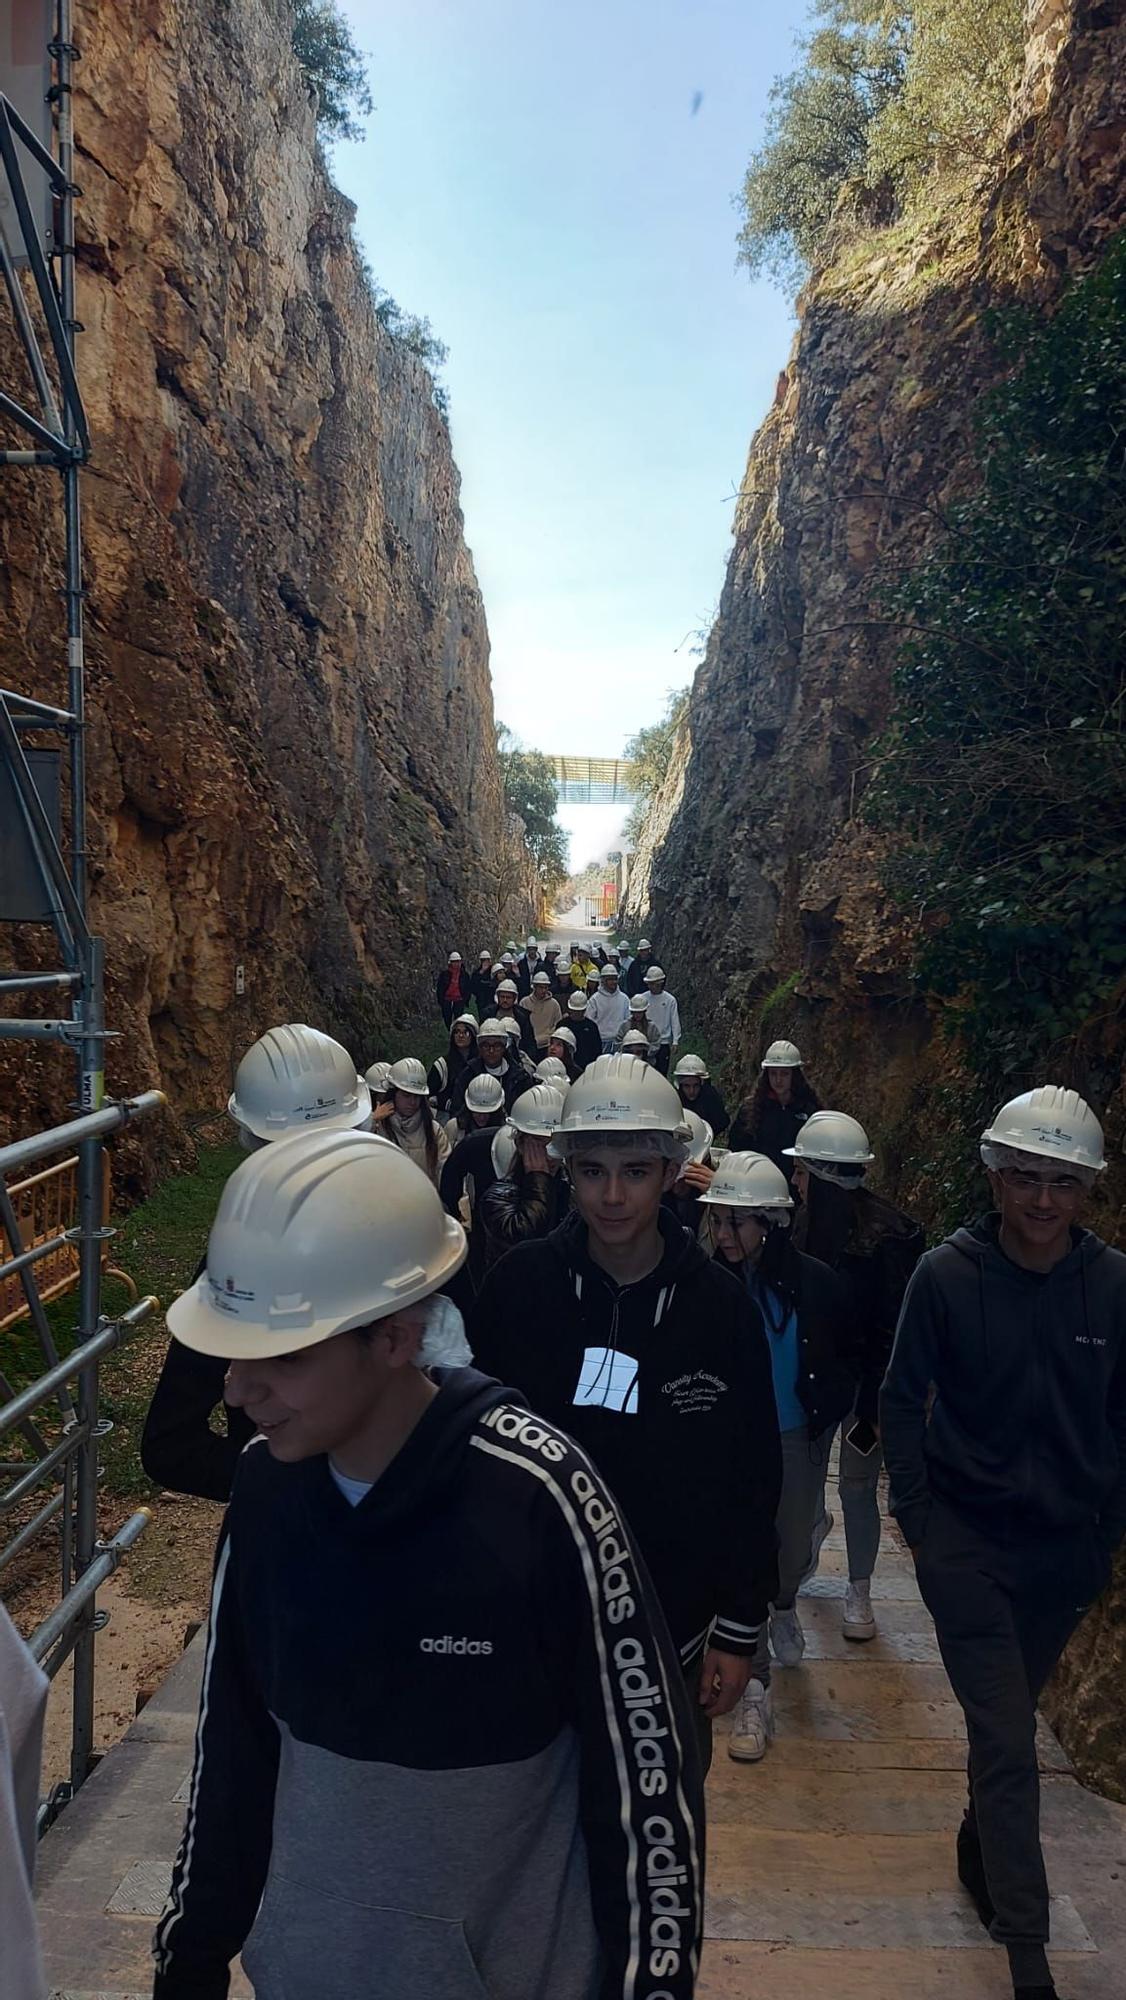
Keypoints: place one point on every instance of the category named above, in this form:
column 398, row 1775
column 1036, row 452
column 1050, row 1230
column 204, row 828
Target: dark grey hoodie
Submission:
column 1027, row 1433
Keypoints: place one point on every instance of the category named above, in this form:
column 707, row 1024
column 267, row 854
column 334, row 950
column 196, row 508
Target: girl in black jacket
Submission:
column 807, row 1313
column 445, row 1073
column 769, row 1120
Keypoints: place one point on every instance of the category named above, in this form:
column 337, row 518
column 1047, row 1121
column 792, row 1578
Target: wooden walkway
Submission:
column 831, row 1864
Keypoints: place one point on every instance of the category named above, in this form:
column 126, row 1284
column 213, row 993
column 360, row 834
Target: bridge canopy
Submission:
column 593, row 781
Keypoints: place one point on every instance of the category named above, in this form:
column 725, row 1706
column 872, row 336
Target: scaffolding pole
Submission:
column 59, row 433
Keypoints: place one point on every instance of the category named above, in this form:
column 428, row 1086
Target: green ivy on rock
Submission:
column 1003, row 772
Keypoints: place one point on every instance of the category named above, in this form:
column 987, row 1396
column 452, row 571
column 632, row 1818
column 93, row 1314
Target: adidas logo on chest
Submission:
column 448, row 1644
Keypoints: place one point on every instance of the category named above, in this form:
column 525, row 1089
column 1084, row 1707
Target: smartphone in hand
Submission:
column 862, row 1437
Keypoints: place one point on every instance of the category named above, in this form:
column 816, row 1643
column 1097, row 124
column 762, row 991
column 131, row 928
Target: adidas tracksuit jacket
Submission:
column 443, row 1750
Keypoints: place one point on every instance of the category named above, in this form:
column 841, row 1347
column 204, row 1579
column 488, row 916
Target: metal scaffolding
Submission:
column 59, row 1431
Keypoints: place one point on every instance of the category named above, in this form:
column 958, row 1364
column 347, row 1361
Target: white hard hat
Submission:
column 484, row 1093
column 643, row 944
column 1055, row 1123
column 635, row 1039
column 295, row 1079
column 312, row 1239
column 624, row 946
column 593, row 975
column 507, row 986
column 464, row 1021
column 491, row 1030
column 692, row 1066
column 537, row 1111
column 617, row 1095
column 455, row 958
column 577, row 1003
column 638, row 1003
column 511, row 945
column 410, row 1075
column 834, row 1137
column 510, row 1026
column 551, row 1070
column 506, row 958
column 699, row 1144
column 376, row 1077
column 562, row 1033
column 485, row 954
column 503, row 1151
column 610, row 970
column 532, row 944
column 652, row 974
column 782, row 1055
column 750, row 1180
column 541, row 979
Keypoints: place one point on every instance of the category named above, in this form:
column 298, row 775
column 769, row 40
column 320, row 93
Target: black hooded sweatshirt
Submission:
column 1027, row 1434
column 667, row 1385
column 444, row 1747
column 709, row 1105
column 514, row 1081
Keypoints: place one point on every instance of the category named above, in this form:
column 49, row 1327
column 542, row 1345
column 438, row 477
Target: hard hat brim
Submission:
column 192, row 1319
column 343, row 1121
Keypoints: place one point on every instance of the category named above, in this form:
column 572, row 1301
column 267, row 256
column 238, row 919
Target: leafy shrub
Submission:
column 884, row 96
column 817, row 135
column 1003, row 773
column 323, row 45
column 649, row 755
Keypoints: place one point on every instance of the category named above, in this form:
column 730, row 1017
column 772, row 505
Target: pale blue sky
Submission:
column 534, row 179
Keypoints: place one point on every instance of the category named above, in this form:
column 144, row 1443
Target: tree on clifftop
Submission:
column 327, row 53
column 884, row 97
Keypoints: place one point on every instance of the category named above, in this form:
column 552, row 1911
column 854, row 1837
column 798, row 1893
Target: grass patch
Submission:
column 159, row 1244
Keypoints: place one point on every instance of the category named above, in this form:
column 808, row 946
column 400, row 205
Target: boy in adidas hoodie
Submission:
column 443, row 1748
column 1003, row 1419
column 655, row 1360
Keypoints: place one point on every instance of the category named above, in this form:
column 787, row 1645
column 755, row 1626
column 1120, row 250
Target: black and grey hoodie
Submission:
column 667, row 1384
column 1027, row 1433
column 443, row 1748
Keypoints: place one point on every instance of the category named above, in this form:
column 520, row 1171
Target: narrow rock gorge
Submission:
column 757, row 843
column 292, row 758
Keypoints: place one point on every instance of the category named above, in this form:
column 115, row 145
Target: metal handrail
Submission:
column 56, row 1635
column 109, row 1335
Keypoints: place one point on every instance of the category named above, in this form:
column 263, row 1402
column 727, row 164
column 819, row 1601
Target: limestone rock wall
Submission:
column 291, row 750
column 758, row 845
column 757, row 842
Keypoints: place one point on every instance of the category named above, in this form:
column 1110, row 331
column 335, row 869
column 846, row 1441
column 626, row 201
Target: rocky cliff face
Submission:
column 758, row 844
column 292, row 761
column 757, row 839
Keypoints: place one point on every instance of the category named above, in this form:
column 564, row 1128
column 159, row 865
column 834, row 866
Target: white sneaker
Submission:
column 859, row 1620
column 787, row 1638
column 821, row 1532
column 752, row 1724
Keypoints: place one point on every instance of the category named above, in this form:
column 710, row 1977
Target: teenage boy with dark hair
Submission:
column 656, row 1361
column 443, row 1747
column 1003, row 1418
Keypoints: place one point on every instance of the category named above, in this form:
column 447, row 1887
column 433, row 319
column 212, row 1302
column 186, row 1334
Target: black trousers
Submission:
column 663, row 1058
column 1003, row 1613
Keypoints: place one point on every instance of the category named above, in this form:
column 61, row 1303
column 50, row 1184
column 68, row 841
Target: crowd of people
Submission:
column 531, row 1388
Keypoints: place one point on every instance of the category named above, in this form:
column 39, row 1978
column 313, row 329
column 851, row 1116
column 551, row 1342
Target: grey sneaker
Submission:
column 787, row 1638
column 752, row 1724
column 859, row 1619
